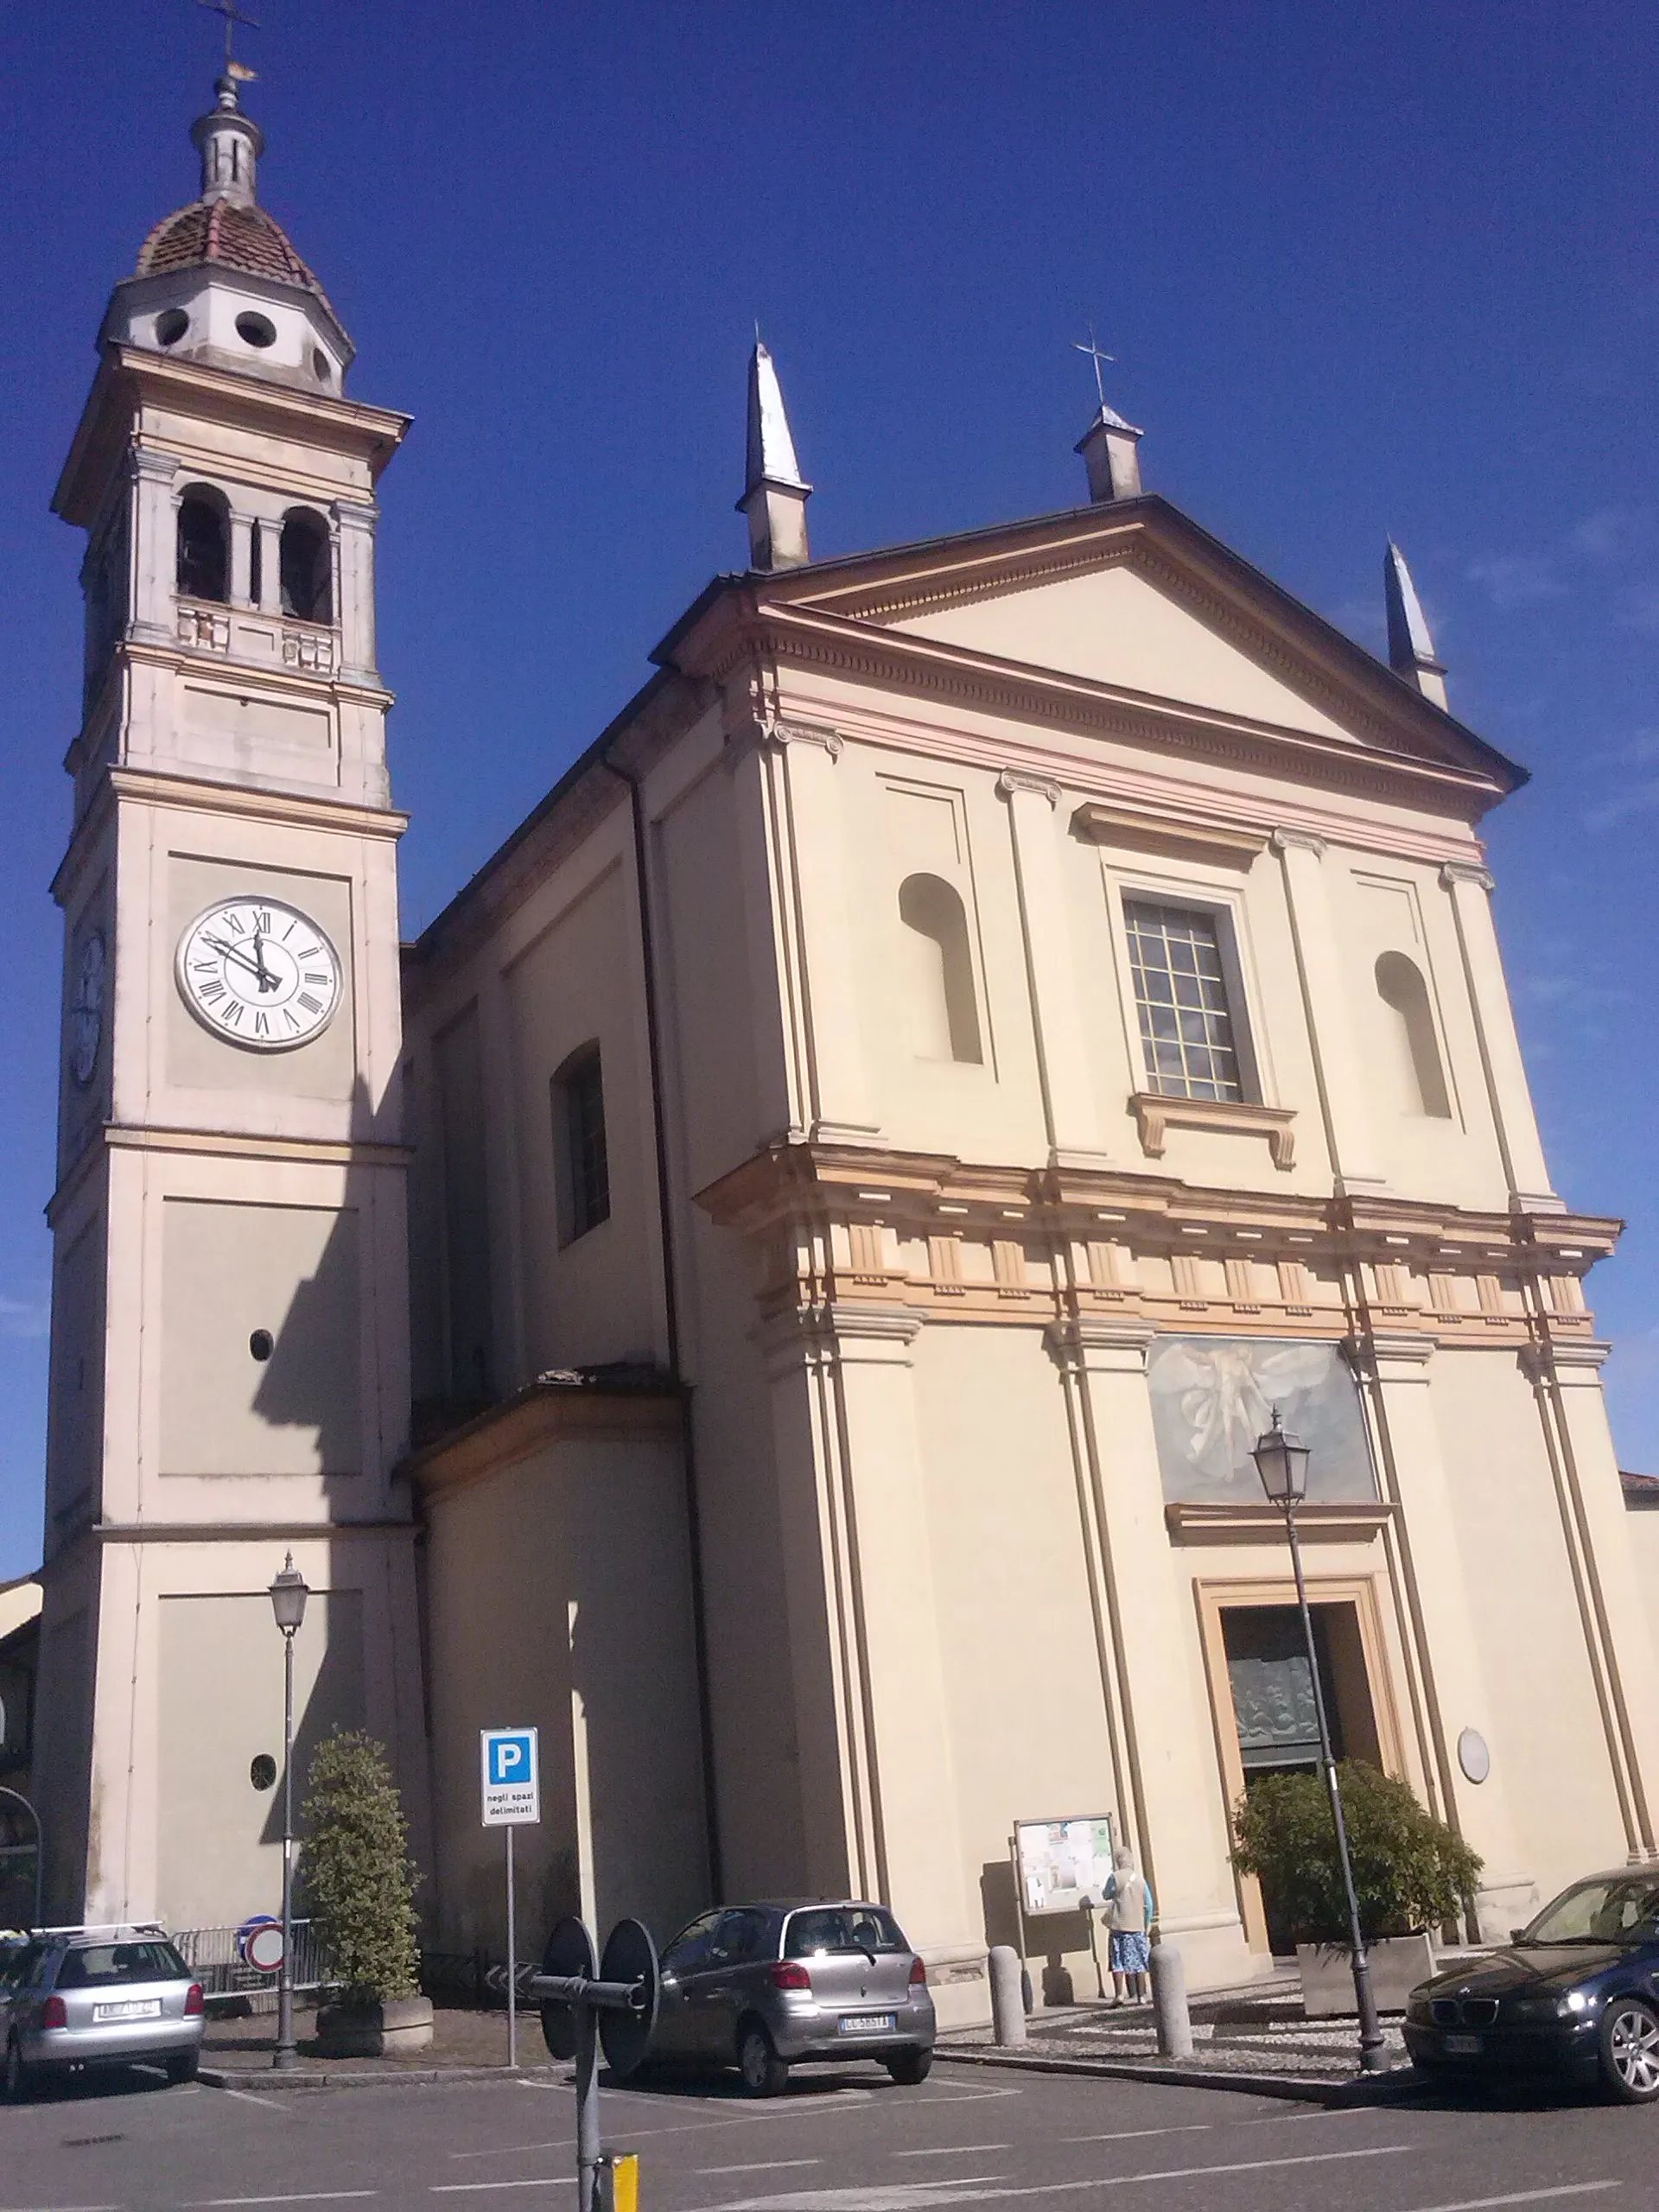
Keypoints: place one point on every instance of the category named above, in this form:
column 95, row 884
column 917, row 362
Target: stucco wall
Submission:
column 557, row 1595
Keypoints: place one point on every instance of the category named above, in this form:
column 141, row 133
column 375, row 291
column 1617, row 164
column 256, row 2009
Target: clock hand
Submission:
column 267, row 980
column 232, row 952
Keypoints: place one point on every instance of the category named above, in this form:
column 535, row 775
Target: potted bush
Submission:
column 1412, row 1874
column 357, row 1885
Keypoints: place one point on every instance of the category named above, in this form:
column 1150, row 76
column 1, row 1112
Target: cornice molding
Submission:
column 1178, row 831
column 1318, row 1521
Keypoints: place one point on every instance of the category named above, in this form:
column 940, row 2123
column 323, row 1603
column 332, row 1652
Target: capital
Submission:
column 1455, row 872
column 1013, row 780
column 770, row 729
column 1289, row 839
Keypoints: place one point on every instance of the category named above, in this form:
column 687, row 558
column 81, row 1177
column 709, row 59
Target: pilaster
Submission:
column 1071, row 1112
column 152, row 572
column 861, row 1596
column 354, row 590
column 1567, row 1381
column 1519, row 1144
column 1169, row 1803
column 1450, row 1680
column 1336, row 1064
column 799, row 771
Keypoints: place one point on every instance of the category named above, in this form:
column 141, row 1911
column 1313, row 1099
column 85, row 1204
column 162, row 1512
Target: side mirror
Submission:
column 1517, row 1935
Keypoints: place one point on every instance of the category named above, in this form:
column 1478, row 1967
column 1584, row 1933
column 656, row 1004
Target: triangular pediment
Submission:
column 1134, row 598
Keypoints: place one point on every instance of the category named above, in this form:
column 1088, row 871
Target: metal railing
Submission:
column 213, row 1957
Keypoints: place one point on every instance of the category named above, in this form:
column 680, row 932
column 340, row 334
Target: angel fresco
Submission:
column 1212, row 1396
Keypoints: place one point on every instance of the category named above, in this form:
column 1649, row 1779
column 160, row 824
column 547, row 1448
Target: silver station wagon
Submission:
column 768, row 1986
column 74, row 1997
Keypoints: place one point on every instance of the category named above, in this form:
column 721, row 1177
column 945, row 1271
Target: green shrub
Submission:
column 1410, row 1870
column 357, row 1879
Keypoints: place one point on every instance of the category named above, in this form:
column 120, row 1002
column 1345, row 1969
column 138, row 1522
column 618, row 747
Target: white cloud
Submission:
column 1516, row 579
column 24, row 1317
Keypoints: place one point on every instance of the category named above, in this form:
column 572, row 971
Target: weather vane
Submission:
column 1091, row 349
column 233, row 16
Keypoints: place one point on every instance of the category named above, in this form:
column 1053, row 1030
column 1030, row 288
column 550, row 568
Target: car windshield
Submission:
column 111, row 1966
column 842, row 1928
column 1612, row 1909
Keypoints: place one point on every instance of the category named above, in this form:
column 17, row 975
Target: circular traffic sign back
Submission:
column 569, row 1951
column 629, row 1956
column 263, row 1948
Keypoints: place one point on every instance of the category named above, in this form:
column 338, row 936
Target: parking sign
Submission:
column 512, row 1777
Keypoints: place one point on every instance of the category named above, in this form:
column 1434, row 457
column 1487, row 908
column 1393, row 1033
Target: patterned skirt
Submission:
column 1131, row 1954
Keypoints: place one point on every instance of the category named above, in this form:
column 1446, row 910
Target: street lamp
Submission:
column 1281, row 1462
column 288, row 1596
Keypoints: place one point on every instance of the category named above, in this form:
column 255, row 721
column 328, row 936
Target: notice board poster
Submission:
column 1062, row 1862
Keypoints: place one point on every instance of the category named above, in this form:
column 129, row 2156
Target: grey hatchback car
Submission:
column 768, row 1986
column 116, row 1996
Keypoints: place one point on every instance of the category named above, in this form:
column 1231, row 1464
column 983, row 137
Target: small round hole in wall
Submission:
column 261, row 1770
column 262, row 1344
column 171, row 326
column 320, row 367
column 256, row 330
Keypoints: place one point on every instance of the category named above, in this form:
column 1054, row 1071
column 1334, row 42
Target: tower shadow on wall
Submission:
column 309, row 1368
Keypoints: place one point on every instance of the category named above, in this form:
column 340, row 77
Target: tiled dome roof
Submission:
column 234, row 237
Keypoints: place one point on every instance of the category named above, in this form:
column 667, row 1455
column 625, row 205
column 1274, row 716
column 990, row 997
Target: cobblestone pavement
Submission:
column 1250, row 2032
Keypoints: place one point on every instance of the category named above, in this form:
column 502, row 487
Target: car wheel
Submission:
column 907, row 2068
column 764, row 2073
column 182, row 2067
column 1630, row 2050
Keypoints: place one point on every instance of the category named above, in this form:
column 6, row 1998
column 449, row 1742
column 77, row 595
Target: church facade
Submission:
column 778, row 1285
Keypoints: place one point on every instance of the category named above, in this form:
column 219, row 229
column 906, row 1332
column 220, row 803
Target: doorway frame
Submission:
column 1213, row 1597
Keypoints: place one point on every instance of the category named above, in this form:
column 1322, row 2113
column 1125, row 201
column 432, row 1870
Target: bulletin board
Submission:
column 1060, row 1864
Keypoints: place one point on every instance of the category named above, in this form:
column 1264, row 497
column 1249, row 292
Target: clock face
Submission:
column 259, row 973
column 86, row 1010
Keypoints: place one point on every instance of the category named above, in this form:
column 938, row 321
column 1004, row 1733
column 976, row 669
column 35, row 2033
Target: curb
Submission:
column 1297, row 2088
column 261, row 2080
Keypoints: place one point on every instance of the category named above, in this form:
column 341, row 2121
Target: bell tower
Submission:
column 229, row 1369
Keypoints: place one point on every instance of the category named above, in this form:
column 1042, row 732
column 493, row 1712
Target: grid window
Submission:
column 1180, row 995
column 579, row 1132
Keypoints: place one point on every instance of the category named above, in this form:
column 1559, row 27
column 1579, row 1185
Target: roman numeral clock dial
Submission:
column 259, row 973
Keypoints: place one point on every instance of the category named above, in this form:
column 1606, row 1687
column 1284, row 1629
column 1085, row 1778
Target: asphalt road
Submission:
column 844, row 2142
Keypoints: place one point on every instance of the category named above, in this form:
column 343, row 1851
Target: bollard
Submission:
column 1169, row 2002
column 1008, row 1995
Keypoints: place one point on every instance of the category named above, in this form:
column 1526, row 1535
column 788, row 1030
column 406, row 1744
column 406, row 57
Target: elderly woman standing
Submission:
column 1130, row 1911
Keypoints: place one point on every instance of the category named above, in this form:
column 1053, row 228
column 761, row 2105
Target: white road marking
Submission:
column 761, row 2166
column 542, row 2180
column 1136, row 2134
column 913, row 2195
column 266, row 2103
column 306, row 2196
column 1526, row 2196
column 954, row 2151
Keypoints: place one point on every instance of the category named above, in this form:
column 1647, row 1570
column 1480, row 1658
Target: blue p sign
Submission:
column 509, row 1760
column 511, row 1785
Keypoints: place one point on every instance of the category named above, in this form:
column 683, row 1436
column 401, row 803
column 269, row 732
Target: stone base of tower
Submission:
column 150, row 1733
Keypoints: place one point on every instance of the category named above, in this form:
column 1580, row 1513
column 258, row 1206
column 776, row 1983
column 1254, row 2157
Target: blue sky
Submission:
column 1366, row 270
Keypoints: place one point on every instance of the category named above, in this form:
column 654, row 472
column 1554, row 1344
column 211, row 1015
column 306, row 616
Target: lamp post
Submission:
column 1281, row 1462
column 287, row 1596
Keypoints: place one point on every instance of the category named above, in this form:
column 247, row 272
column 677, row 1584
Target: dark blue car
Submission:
column 1573, row 1994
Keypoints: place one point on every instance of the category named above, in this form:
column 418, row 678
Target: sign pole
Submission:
column 512, row 1797
column 512, row 1964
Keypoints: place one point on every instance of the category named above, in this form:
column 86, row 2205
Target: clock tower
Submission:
column 229, row 1371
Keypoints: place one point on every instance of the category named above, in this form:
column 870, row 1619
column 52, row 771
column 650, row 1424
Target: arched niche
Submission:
column 305, row 561
column 937, row 976
column 1404, row 993
column 204, row 543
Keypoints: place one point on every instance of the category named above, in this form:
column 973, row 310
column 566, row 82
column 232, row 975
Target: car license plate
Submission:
column 1463, row 2046
column 867, row 2023
column 133, row 2008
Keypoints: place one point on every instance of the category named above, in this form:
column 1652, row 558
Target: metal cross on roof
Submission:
column 1092, row 348
column 233, row 16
